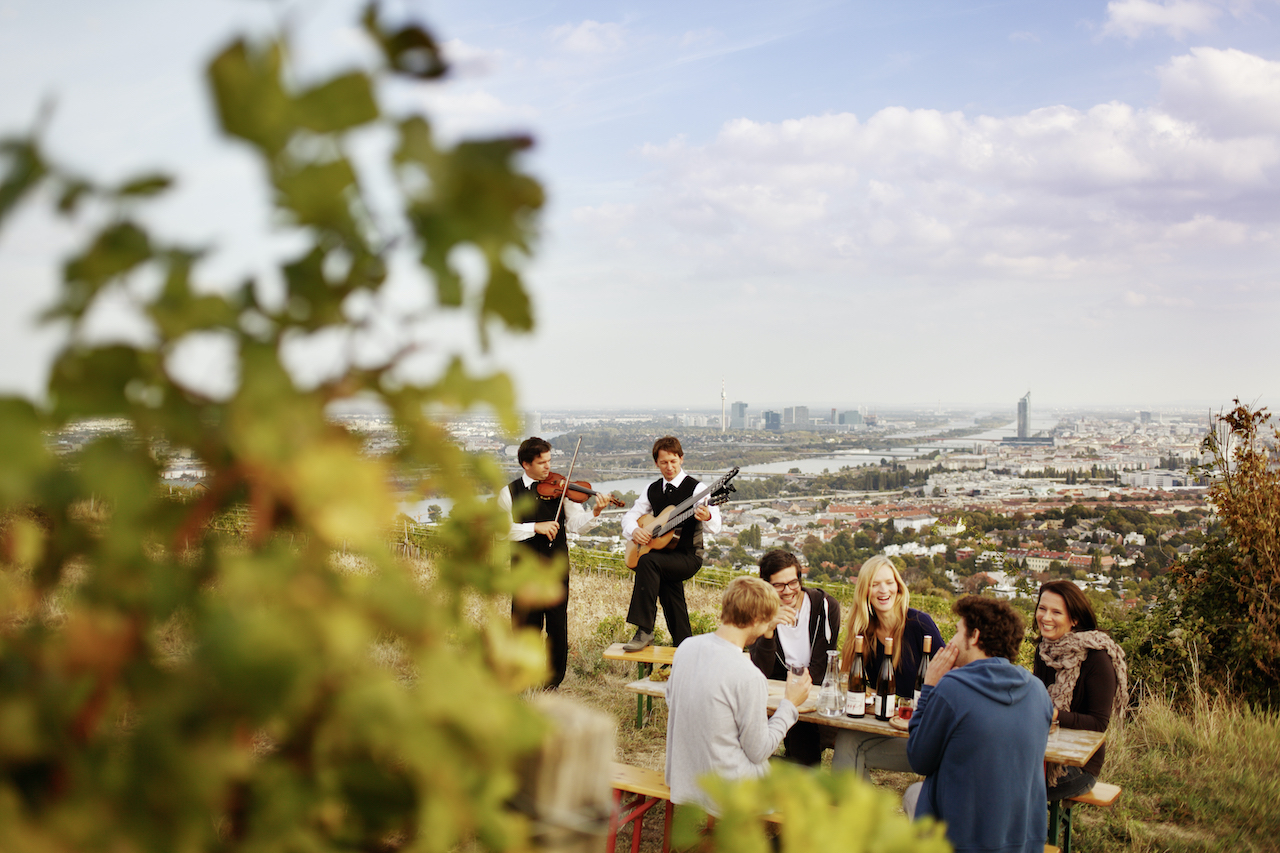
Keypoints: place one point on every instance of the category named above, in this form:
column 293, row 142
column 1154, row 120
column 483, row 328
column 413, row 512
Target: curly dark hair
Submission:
column 1000, row 628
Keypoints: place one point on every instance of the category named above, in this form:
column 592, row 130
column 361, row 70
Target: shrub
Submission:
column 703, row 623
column 1219, row 617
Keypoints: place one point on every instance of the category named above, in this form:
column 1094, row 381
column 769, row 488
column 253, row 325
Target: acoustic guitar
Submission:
column 664, row 528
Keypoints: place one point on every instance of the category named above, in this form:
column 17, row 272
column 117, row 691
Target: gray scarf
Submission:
column 1065, row 656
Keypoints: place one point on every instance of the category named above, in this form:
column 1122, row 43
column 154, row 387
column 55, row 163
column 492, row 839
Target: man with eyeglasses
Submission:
column 805, row 628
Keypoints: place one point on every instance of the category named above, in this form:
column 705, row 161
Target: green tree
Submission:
column 1222, row 609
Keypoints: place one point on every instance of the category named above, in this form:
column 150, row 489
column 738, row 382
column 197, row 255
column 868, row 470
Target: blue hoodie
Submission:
column 979, row 737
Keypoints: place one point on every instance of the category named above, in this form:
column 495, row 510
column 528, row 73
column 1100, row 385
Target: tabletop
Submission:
column 649, row 654
column 1066, row 746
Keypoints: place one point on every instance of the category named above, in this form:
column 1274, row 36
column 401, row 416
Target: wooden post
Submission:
column 565, row 787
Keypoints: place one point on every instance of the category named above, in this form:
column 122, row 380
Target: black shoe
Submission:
column 642, row 639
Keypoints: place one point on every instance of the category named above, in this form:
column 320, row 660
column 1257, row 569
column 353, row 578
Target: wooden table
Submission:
column 1065, row 746
column 644, row 660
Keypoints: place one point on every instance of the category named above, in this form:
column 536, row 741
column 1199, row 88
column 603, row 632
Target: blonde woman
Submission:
column 881, row 610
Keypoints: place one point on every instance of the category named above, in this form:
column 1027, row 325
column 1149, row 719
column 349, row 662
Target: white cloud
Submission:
column 1132, row 19
column 1056, row 194
column 591, row 37
column 1233, row 92
column 457, row 111
column 467, row 60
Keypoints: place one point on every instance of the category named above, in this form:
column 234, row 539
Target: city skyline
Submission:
column 865, row 204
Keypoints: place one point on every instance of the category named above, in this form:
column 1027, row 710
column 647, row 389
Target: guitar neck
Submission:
column 686, row 509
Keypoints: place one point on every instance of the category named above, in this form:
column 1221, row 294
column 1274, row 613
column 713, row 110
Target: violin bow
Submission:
column 564, row 493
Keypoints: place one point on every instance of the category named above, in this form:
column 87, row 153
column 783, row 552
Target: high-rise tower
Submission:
column 723, row 423
column 1024, row 416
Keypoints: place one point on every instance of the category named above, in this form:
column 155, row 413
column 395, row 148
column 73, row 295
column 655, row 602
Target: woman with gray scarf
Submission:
column 1085, row 673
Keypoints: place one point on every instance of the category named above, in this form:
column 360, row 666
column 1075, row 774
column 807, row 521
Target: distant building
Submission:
column 789, row 415
column 1157, row 478
column 1024, row 416
column 851, row 418
column 738, row 416
column 1144, row 417
column 802, row 416
column 773, row 421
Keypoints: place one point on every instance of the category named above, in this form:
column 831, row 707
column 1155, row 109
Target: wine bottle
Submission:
column 856, row 697
column 923, row 669
column 886, row 689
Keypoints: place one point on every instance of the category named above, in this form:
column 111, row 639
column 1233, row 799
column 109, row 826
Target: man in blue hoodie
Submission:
column 979, row 735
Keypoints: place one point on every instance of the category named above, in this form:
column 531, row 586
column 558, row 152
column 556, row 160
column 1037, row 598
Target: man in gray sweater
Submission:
column 717, row 700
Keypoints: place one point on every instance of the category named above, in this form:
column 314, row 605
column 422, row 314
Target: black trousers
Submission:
column 806, row 741
column 555, row 619
column 660, row 577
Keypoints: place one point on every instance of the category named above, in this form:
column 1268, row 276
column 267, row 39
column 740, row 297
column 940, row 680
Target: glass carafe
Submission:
column 831, row 698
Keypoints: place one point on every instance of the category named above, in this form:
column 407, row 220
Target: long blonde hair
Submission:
column 863, row 618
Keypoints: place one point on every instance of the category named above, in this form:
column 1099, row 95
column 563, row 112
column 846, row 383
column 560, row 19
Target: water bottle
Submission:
column 831, row 699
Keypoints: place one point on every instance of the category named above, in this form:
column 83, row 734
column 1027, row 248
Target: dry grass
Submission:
column 1195, row 778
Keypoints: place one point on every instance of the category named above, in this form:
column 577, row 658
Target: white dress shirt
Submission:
column 630, row 521
column 576, row 518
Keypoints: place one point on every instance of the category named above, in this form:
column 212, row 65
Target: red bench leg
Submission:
column 636, row 810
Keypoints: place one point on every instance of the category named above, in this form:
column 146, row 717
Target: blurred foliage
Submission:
column 821, row 811
column 1218, row 623
column 166, row 688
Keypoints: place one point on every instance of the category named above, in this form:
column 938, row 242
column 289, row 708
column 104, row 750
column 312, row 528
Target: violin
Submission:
column 554, row 487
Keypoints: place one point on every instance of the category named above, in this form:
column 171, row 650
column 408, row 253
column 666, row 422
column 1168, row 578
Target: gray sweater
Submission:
column 718, row 718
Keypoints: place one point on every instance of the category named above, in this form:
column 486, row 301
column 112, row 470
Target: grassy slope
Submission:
column 1201, row 780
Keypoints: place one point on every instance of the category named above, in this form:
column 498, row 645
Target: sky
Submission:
column 813, row 203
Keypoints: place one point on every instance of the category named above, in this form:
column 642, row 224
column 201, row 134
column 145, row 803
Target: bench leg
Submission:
column 613, row 821
column 1067, row 814
column 642, row 712
column 1055, row 812
column 636, row 808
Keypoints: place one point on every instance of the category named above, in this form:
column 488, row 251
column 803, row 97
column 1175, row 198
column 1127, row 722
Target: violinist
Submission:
column 536, row 525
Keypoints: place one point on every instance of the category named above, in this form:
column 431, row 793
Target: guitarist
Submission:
column 660, row 575
column 537, row 525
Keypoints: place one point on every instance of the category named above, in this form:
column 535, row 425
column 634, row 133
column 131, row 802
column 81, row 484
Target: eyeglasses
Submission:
column 789, row 585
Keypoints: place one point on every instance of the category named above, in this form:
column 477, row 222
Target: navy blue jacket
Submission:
column 979, row 737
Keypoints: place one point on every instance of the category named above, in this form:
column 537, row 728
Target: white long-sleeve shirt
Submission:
column 630, row 521
column 718, row 717
column 576, row 518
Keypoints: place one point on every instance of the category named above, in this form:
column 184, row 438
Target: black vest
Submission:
column 536, row 508
column 690, row 541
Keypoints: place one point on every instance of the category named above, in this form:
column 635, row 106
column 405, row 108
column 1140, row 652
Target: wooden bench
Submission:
column 1102, row 795
column 648, row 788
column 644, row 660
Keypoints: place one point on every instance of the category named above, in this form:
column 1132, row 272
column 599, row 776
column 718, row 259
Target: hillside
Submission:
column 1201, row 778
